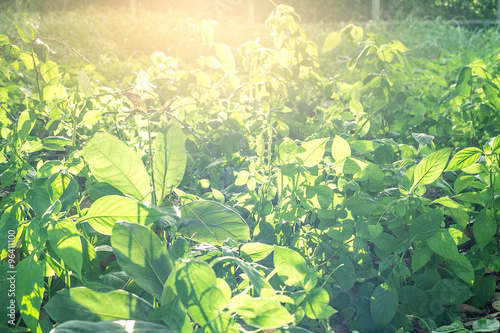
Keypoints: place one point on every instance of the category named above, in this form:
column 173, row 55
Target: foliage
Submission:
column 272, row 188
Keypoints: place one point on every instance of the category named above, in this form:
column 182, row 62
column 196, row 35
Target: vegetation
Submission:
column 348, row 182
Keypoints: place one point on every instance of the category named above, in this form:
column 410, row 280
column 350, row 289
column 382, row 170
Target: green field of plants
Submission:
column 167, row 174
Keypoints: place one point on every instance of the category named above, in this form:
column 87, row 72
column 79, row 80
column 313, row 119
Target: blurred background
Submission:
column 257, row 10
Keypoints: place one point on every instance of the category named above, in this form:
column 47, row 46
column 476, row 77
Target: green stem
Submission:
column 73, row 137
column 153, row 194
column 493, row 206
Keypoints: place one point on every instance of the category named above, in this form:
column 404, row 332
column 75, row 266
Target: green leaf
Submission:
column 256, row 279
column 213, row 223
column 426, row 225
column 49, row 72
column 344, row 272
column 386, row 242
column 112, row 162
column 261, row 312
column 41, row 50
column 4, row 39
column 340, row 148
column 484, row 288
column 369, row 171
column 486, row 325
column 63, row 187
column 142, row 256
column 26, row 32
column 226, row 57
column 29, row 290
column 54, row 90
column 462, row 267
column 107, row 210
column 292, row 329
column 290, row 265
column 169, row 161
column 383, row 306
column 66, row 243
column 331, row 41
column 422, row 139
column 450, row 292
column 87, row 304
column 287, row 150
column 495, row 144
column 316, row 304
column 492, row 94
column 430, row 168
column 484, row 229
column 456, row 326
column 255, row 251
column 443, row 244
column 84, row 84
column 56, row 143
column 196, row 286
column 463, row 86
column 120, row 326
column 421, row 256
column 320, row 196
column 464, row 158
column 90, row 118
column 311, row 152
column 10, row 53
column 174, row 316
column 25, row 123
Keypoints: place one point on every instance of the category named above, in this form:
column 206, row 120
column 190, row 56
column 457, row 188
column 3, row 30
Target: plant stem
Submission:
column 153, row 193
column 73, row 137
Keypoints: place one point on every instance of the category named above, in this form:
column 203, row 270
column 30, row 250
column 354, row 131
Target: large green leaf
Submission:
column 105, row 211
column 290, row 266
column 255, row 251
column 86, row 304
column 66, row 243
column 464, row 84
column 331, row 41
column 142, row 256
column 311, row 152
column 119, row 326
column 383, row 306
column 260, row 312
column 196, row 286
column 25, row 123
column 450, row 292
column 340, row 148
column 462, row 268
column 486, row 325
column 213, row 223
column 169, row 161
column 421, row 256
column 26, row 32
column 226, row 57
column 112, row 161
column 287, row 151
column 316, row 304
column 29, row 290
column 84, row 84
column 491, row 91
column 430, row 168
column 464, row 158
column 443, row 244
column 344, row 272
column 484, row 229
column 426, row 225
